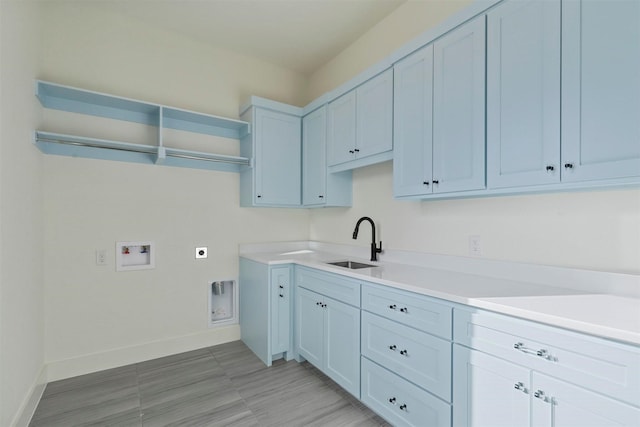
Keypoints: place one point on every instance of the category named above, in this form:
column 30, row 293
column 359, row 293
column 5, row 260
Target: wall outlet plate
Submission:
column 201, row 253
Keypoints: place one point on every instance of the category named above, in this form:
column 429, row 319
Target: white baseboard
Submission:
column 67, row 368
column 30, row 403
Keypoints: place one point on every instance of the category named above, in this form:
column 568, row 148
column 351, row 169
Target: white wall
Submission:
column 21, row 274
column 591, row 230
column 96, row 317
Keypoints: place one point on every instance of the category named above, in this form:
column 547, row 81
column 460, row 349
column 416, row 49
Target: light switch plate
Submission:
column 201, row 253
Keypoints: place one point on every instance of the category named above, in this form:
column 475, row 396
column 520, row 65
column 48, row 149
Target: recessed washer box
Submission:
column 135, row 255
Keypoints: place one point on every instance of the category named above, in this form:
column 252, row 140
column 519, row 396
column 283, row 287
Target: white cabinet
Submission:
column 600, row 89
column 523, row 93
column 319, row 187
column 507, row 370
column 560, row 404
column 489, row 392
column 359, row 124
column 274, row 145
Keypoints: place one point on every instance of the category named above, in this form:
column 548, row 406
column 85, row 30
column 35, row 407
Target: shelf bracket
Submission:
column 161, row 156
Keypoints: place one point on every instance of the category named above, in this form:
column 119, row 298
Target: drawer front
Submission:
column 421, row 358
column 340, row 288
column 400, row 402
column 417, row 311
column 603, row 366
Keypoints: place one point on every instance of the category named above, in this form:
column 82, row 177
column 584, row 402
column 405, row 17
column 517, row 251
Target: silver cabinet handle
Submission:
column 544, row 353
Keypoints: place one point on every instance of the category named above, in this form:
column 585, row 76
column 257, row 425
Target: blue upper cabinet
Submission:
column 341, row 129
column 374, row 118
column 523, row 93
column 459, row 109
column 274, row 178
column 439, row 123
column 600, row 89
column 360, row 123
column 413, row 124
column 320, row 188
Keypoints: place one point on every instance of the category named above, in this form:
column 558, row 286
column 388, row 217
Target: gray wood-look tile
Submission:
column 225, row 385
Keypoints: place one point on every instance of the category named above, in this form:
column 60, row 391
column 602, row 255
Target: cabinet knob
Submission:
column 539, row 394
column 324, row 305
column 392, row 306
column 520, row 386
column 318, row 303
column 435, row 181
column 351, row 151
column 392, row 400
column 404, row 352
column 404, row 310
column 356, row 150
column 281, row 295
column 321, row 197
column 550, row 168
column 259, row 196
column 281, row 287
column 392, row 347
column 403, row 407
column 568, row 165
column 425, row 182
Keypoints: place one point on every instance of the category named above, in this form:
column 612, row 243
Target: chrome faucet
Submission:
column 374, row 249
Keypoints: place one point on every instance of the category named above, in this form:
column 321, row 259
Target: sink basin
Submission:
column 351, row 264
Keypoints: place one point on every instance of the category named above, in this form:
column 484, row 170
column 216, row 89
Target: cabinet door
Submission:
column 277, row 158
column 342, row 345
column 314, row 157
column 399, row 401
column 559, row 404
column 459, row 109
column 341, row 129
column 310, row 326
column 488, row 391
column 374, row 115
column 523, row 93
column 280, row 309
column 412, row 123
column 600, row 89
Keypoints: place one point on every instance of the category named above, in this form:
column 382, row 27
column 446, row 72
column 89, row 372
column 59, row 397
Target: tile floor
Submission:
column 225, row 385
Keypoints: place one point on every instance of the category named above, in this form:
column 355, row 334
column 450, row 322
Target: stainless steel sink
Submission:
column 354, row 265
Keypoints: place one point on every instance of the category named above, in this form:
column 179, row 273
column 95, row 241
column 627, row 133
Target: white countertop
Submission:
column 606, row 315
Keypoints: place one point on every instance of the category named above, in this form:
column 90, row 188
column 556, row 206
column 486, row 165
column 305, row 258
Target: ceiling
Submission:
column 300, row 35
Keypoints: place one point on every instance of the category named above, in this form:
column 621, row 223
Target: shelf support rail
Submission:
column 41, row 137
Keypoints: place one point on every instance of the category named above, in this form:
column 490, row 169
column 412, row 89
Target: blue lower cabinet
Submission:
column 420, row 357
column 400, row 402
column 327, row 330
column 265, row 309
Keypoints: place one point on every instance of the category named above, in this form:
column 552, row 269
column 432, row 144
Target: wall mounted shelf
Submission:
column 65, row 98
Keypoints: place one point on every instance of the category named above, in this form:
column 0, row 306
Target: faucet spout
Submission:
column 375, row 250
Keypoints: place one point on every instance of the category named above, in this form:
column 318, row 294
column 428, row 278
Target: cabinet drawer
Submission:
column 417, row 311
column 421, row 358
column 603, row 366
column 332, row 285
column 400, row 402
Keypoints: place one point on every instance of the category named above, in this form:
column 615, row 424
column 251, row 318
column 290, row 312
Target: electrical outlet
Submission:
column 474, row 246
column 101, row 257
column 201, row 253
